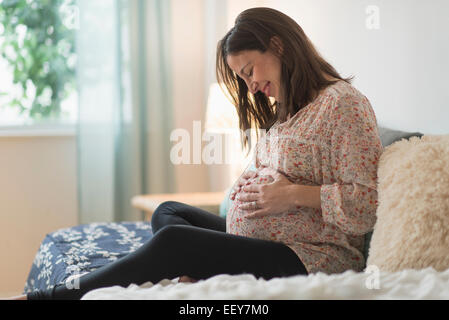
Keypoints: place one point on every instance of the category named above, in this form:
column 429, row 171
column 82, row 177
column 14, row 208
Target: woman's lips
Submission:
column 266, row 89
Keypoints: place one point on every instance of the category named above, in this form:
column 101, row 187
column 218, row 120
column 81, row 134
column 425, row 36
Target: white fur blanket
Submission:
column 407, row 284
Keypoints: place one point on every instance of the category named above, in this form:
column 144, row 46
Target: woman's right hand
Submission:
column 241, row 182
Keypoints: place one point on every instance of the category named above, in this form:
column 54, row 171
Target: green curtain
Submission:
column 118, row 45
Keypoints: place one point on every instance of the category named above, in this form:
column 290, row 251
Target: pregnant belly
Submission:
column 272, row 227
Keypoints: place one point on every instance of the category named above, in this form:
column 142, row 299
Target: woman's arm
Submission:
column 350, row 200
column 279, row 196
column 305, row 196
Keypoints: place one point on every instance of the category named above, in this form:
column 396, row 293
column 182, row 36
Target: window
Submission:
column 37, row 62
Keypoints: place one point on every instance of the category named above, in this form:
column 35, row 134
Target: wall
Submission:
column 399, row 60
column 37, row 196
column 189, row 95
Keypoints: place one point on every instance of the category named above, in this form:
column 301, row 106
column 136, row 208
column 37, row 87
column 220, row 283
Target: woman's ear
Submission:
column 277, row 45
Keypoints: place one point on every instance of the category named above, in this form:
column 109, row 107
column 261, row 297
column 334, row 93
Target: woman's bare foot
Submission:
column 187, row 279
column 21, row 297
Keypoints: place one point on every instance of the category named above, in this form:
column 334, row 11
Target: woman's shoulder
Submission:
column 343, row 93
column 340, row 88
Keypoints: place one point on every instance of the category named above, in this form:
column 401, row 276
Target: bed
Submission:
column 69, row 253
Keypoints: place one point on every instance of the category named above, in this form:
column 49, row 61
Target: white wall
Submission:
column 401, row 66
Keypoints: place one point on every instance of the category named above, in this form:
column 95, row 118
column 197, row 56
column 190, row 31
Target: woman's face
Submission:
column 260, row 71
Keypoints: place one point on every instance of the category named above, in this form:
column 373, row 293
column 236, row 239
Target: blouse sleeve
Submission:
column 355, row 149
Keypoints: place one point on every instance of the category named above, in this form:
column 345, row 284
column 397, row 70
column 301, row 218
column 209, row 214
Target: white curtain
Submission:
column 117, row 73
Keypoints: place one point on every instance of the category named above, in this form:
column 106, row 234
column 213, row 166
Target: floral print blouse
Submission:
column 334, row 143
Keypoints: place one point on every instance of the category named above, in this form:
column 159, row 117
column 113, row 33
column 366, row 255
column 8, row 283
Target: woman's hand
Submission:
column 241, row 182
column 272, row 198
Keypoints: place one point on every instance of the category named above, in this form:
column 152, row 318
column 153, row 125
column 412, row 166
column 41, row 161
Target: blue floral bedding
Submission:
column 74, row 251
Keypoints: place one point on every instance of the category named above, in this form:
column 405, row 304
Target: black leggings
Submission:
column 187, row 241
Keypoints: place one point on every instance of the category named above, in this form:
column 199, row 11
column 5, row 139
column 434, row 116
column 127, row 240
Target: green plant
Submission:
column 40, row 49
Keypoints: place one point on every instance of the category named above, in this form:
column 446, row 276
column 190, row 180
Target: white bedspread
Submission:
column 407, row 284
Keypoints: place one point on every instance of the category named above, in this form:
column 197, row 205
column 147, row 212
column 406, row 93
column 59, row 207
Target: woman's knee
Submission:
column 166, row 206
column 159, row 216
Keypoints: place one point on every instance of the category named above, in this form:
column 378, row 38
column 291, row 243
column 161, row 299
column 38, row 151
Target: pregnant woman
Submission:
column 309, row 198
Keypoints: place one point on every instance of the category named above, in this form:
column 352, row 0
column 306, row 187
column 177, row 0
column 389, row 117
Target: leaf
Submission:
column 34, row 54
column 10, row 3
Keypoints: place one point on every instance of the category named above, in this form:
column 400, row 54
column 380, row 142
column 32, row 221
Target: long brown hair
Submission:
column 302, row 74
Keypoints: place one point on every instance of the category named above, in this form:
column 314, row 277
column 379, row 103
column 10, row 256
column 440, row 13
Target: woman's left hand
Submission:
column 272, row 198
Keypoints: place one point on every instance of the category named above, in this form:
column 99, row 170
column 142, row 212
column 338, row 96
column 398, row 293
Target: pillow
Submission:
column 226, row 203
column 412, row 227
column 387, row 137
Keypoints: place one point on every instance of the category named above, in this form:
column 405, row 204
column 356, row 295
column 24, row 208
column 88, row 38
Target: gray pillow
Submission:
column 387, row 137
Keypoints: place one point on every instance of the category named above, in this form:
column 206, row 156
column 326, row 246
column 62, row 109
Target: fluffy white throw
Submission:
column 372, row 284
